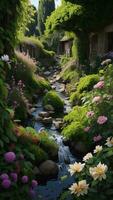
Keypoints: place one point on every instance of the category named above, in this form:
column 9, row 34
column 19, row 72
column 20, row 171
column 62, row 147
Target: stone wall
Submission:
column 99, row 42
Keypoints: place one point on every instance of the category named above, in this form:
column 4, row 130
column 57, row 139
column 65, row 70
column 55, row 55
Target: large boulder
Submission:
column 49, row 169
column 44, row 114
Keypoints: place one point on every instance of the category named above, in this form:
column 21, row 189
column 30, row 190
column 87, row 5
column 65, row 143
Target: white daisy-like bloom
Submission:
column 109, row 142
column 98, row 149
column 76, row 168
column 87, row 157
column 80, row 188
column 5, row 58
column 98, row 172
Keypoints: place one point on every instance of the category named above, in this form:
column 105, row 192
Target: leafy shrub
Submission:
column 19, row 103
column 39, row 154
column 96, row 124
column 74, row 124
column 84, row 85
column 53, row 99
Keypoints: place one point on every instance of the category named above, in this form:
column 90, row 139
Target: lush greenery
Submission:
column 52, row 98
column 84, row 85
column 21, row 12
column 32, row 27
column 41, row 55
column 81, row 18
column 94, row 124
column 23, row 84
column 45, row 8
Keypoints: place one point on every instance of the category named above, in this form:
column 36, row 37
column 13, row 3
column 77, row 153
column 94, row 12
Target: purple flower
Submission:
column 10, row 157
column 4, row 176
column 25, row 179
column 14, row 176
column 6, row 183
column 34, row 183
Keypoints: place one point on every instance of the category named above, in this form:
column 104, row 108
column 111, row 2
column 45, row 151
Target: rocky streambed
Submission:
column 45, row 120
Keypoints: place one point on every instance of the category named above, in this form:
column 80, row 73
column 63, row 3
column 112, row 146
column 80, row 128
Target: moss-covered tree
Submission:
column 45, row 8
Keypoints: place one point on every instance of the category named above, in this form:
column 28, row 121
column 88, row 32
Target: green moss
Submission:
column 42, row 55
column 74, row 123
column 69, row 72
column 39, row 153
column 53, row 99
column 48, row 145
column 84, row 85
column 21, row 110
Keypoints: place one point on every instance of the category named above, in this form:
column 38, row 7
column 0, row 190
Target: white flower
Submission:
column 79, row 189
column 109, row 141
column 98, row 172
column 98, row 149
column 76, row 168
column 5, row 58
column 87, row 157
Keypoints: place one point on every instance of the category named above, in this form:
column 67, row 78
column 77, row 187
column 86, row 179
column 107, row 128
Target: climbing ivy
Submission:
column 13, row 20
column 82, row 17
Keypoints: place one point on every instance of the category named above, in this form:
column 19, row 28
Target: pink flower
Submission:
column 90, row 114
column 34, row 183
column 99, row 85
column 87, row 129
column 4, row 176
column 25, row 179
column 96, row 99
column 102, row 120
column 10, row 157
column 14, row 176
column 97, row 138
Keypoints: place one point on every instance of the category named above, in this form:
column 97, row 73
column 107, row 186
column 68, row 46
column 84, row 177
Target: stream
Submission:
column 53, row 188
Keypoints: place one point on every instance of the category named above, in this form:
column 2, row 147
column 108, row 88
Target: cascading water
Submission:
column 53, row 189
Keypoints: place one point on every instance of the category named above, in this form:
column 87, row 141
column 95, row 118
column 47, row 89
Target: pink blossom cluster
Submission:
column 97, row 99
column 102, row 120
column 90, row 114
column 97, row 138
column 99, row 85
column 87, row 129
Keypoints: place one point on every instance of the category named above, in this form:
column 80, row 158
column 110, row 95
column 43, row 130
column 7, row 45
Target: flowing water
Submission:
column 53, row 188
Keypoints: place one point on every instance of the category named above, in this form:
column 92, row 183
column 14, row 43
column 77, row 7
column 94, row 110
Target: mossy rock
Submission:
column 53, row 99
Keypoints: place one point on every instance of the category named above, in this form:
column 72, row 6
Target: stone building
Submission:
column 65, row 46
column 101, row 43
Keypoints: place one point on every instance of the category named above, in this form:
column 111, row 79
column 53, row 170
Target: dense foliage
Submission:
column 52, row 98
column 45, row 8
column 32, row 27
column 81, row 17
column 13, row 20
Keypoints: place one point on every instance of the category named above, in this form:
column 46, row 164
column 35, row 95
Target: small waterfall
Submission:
column 53, row 188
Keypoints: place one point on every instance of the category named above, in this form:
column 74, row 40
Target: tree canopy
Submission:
column 46, row 7
column 88, row 15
